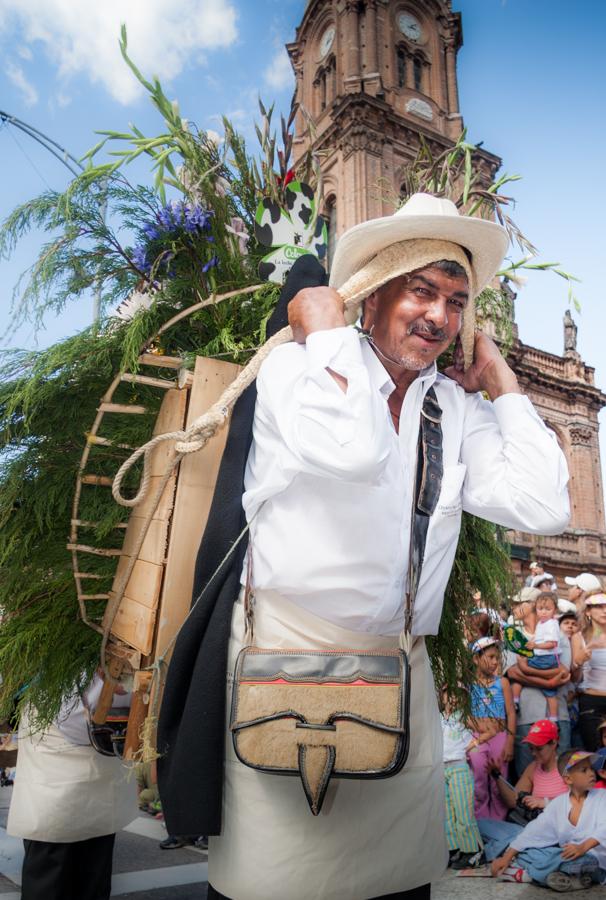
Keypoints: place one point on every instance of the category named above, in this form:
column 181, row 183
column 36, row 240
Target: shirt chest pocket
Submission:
column 446, row 520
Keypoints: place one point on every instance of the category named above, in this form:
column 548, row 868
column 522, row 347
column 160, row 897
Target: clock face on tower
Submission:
column 410, row 26
column 326, row 41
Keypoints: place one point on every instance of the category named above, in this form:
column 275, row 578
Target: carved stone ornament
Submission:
column 570, row 332
column 580, row 435
column 360, row 138
column 420, row 108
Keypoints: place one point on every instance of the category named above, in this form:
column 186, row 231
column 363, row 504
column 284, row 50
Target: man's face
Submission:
column 574, row 593
column 417, row 316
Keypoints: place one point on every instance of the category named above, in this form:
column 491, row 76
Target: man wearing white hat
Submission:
column 581, row 585
column 329, row 491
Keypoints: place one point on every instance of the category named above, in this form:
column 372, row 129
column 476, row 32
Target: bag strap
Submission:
column 428, row 483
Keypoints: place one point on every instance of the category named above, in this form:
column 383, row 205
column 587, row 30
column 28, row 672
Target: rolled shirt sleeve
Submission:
column 516, row 472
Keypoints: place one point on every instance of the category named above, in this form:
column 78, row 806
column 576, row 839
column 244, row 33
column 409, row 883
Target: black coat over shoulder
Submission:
column 191, row 730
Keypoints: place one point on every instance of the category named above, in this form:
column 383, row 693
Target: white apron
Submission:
column 372, row 837
column 64, row 792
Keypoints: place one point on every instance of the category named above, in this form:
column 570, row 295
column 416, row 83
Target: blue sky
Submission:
column 531, row 82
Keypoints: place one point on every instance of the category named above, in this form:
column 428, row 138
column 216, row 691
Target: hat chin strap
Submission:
column 390, row 359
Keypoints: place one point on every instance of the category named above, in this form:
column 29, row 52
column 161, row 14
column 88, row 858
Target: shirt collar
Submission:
column 379, row 376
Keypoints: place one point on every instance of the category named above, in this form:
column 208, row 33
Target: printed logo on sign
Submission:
column 293, row 252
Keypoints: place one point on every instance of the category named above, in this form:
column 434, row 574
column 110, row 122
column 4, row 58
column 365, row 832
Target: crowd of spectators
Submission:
column 525, row 769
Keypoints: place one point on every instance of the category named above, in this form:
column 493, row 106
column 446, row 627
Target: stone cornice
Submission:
column 552, row 374
column 360, row 109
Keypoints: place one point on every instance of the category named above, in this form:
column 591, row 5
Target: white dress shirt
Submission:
column 328, row 483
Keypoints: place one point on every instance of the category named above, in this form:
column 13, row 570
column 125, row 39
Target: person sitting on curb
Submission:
column 539, row 784
column 565, row 847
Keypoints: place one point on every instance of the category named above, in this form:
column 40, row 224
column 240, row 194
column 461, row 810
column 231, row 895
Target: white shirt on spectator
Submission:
column 331, row 481
column 553, row 827
column 545, row 632
column 456, row 738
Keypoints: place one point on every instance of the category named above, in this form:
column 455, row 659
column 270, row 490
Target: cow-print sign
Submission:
column 290, row 232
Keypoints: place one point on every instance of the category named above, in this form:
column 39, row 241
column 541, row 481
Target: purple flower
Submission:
column 150, row 232
column 212, row 262
column 139, row 259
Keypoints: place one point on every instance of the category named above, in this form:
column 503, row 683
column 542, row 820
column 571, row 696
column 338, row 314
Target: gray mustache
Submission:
column 432, row 331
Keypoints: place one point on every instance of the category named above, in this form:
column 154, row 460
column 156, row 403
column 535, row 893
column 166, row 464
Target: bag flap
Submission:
column 334, row 666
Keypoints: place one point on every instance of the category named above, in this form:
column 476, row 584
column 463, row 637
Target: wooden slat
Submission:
column 155, row 544
column 197, row 476
column 163, row 383
column 163, row 362
column 89, row 575
column 185, row 379
column 139, row 706
column 131, row 409
column 135, row 618
column 144, row 583
column 99, row 480
column 142, row 681
column 105, row 442
column 85, row 523
column 96, row 551
column 93, row 597
column 134, row 623
column 114, row 667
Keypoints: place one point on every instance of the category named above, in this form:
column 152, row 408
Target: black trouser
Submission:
column 81, row 870
column 420, row 893
column 592, row 711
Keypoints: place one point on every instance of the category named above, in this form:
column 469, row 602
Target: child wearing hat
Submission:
column 565, row 847
column 493, row 721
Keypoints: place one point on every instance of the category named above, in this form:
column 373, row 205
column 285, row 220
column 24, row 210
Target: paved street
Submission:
column 144, row 872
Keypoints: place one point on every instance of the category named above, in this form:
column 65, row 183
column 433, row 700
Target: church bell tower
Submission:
column 375, row 76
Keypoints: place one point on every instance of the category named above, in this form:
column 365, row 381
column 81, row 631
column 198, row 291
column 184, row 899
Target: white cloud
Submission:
column 81, row 38
column 24, row 52
column 16, row 75
column 279, row 74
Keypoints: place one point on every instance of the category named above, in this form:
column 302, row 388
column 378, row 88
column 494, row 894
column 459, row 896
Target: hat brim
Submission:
column 486, row 241
column 537, row 743
column 571, row 582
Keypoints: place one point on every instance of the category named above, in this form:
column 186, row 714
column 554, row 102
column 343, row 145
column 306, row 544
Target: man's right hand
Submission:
column 315, row 309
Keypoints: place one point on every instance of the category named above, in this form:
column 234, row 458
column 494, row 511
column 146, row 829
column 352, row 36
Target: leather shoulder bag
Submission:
column 340, row 713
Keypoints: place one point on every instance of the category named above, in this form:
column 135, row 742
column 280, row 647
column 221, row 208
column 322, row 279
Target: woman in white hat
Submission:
column 589, row 651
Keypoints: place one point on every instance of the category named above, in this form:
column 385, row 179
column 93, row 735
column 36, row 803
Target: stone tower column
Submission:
column 351, row 33
column 370, row 67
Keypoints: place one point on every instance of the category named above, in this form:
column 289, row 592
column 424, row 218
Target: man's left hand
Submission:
column 488, row 372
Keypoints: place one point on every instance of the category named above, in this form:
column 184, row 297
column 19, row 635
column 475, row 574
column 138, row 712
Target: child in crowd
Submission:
column 462, row 835
column 545, row 646
column 569, row 626
column 493, row 723
column 599, row 765
column 565, row 847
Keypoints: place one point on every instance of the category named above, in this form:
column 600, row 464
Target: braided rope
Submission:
column 198, row 434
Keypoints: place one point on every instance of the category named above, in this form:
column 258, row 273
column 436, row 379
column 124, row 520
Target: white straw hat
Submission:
column 586, row 581
column 422, row 218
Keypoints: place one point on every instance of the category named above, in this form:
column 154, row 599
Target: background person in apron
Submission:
column 68, row 802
